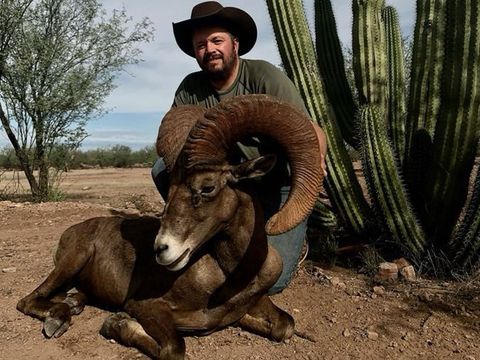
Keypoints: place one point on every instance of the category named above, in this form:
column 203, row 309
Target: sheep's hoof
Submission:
column 113, row 324
column 76, row 307
column 57, row 321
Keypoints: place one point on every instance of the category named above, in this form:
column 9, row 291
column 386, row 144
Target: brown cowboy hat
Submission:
column 209, row 13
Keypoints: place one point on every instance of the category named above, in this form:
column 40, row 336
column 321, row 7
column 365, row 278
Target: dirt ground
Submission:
column 338, row 308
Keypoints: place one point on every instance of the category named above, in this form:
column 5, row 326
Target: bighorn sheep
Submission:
column 206, row 263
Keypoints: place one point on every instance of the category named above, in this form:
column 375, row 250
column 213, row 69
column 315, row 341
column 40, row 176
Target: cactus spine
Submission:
column 385, row 185
column 396, row 113
column 332, row 69
column 369, row 54
column 456, row 132
column 298, row 56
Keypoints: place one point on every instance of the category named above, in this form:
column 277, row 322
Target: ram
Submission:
column 205, row 263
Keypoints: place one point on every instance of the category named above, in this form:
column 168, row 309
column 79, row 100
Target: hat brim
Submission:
column 236, row 21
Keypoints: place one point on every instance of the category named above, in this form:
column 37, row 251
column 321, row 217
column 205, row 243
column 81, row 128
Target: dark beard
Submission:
column 225, row 71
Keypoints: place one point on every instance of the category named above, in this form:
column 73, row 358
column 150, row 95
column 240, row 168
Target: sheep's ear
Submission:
column 255, row 168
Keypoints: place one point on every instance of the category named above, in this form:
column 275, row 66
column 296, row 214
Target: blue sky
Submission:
column 145, row 91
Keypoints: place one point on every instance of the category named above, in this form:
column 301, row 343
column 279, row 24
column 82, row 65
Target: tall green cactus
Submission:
column 443, row 120
column 332, row 68
column 465, row 244
column 456, row 131
column 426, row 69
column 369, row 54
column 396, row 114
column 298, row 56
column 385, row 185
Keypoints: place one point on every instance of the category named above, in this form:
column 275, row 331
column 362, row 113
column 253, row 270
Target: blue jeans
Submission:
column 289, row 245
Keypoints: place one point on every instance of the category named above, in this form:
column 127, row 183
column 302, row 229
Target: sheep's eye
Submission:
column 208, row 189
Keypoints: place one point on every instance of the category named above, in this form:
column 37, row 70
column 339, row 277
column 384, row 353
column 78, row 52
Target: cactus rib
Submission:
column 385, row 185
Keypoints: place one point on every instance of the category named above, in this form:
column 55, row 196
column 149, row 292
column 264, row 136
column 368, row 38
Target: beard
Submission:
column 219, row 70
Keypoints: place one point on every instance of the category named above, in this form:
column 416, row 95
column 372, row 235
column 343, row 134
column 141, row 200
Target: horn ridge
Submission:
column 253, row 115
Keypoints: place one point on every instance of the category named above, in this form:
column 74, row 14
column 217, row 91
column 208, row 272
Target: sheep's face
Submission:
column 199, row 207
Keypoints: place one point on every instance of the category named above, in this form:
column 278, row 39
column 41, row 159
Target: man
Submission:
column 216, row 37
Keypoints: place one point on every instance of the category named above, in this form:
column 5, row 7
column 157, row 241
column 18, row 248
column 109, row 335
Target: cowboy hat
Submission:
column 209, row 13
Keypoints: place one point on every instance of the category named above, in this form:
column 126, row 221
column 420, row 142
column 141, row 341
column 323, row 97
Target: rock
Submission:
column 469, row 357
column 372, row 335
column 379, row 290
column 86, row 188
column 408, row 273
column 386, row 272
column 401, row 263
column 9, row 270
column 346, row 333
column 335, row 281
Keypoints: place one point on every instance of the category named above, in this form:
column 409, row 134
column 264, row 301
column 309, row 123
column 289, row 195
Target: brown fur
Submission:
column 206, row 263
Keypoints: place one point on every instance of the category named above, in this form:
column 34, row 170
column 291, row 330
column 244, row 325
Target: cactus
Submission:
column 442, row 124
column 369, row 54
column 456, row 131
column 385, row 185
column 322, row 217
column 298, row 56
column 332, row 69
column 426, row 70
column 396, row 114
column 465, row 244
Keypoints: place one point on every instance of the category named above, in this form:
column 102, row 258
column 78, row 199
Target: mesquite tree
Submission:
column 58, row 63
column 418, row 149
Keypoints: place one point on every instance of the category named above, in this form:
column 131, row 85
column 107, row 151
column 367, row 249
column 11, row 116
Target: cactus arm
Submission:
column 332, row 69
column 396, row 81
column 385, row 185
column 426, row 70
column 465, row 244
column 298, row 56
column 456, row 132
column 369, row 53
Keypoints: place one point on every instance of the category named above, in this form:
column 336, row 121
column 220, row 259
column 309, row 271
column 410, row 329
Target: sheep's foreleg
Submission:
column 151, row 330
column 39, row 304
column 268, row 320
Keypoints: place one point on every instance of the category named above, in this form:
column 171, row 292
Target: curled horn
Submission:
column 173, row 132
column 254, row 115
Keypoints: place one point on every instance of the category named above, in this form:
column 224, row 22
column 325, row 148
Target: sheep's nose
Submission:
column 161, row 248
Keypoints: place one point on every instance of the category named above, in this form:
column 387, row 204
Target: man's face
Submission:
column 215, row 50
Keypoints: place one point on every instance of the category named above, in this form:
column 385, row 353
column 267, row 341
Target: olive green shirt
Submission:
column 253, row 77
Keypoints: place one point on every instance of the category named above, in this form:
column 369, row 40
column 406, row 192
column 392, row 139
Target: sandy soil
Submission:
column 336, row 307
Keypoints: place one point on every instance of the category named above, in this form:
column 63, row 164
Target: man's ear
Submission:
column 255, row 168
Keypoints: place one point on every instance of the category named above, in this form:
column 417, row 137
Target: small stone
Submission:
column 386, row 272
column 469, row 357
column 112, row 341
column 408, row 273
column 401, row 263
column 346, row 333
column 335, row 281
column 379, row 290
column 86, row 188
column 9, row 270
column 372, row 335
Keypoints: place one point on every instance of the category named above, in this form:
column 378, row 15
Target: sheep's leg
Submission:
column 38, row 304
column 152, row 331
column 268, row 320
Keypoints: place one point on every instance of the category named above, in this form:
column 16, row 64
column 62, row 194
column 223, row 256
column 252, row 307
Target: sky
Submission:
column 145, row 91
